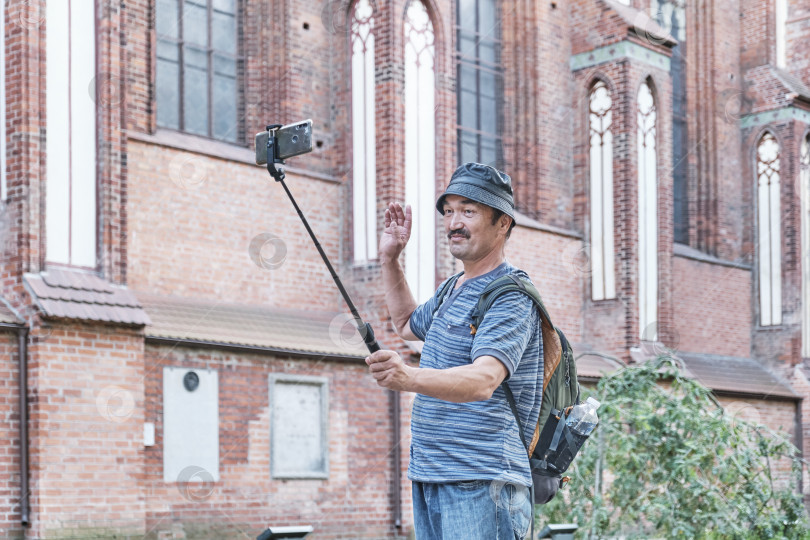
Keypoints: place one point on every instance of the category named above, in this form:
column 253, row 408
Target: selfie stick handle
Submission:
column 363, row 327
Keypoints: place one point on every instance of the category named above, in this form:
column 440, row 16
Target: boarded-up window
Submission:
column 299, row 442
column 190, row 425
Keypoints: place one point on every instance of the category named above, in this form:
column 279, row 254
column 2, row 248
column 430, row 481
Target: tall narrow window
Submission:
column 780, row 16
column 479, row 82
column 671, row 15
column 647, row 215
column 364, row 170
column 70, row 207
column 420, row 150
column 603, row 280
column 197, row 61
column 805, row 181
column 769, row 233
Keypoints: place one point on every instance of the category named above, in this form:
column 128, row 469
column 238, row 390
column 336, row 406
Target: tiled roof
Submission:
column 73, row 294
column 589, row 365
column 594, row 366
column 7, row 316
column 643, row 24
column 297, row 331
column 738, row 375
column 793, row 84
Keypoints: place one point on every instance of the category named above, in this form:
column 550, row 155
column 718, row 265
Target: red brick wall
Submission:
column 779, row 344
column 354, row 502
column 552, row 261
column 175, row 222
column 757, row 43
column 712, row 308
column 192, row 219
column 9, row 437
column 612, row 325
column 86, row 386
column 597, row 24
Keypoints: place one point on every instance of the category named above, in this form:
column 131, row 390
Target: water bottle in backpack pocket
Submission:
column 562, row 437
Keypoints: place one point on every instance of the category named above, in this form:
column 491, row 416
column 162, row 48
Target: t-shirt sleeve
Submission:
column 506, row 330
column 422, row 316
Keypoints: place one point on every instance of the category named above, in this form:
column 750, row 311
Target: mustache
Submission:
column 460, row 232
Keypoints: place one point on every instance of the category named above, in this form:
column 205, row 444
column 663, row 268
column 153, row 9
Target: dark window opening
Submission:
column 197, row 67
column 479, row 82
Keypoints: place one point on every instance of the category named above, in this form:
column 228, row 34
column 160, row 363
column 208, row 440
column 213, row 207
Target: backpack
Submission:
column 552, row 447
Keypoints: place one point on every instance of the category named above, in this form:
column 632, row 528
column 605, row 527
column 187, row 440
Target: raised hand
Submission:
column 397, row 231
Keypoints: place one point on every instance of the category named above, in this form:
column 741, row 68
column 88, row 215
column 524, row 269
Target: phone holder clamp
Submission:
column 272, row 150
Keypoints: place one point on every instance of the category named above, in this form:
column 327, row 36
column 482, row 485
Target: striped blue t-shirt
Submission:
column 451, row 442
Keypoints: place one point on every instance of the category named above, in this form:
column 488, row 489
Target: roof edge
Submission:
column 755, row 395
column 185, row 342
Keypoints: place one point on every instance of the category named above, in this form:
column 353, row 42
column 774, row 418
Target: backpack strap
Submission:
column 491, row 292
column 448, row 285
column 503, row 285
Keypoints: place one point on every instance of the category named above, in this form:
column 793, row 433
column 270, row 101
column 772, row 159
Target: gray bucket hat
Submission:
column 481, row 183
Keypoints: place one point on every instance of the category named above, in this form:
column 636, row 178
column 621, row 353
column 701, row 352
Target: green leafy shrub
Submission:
column 667, row 462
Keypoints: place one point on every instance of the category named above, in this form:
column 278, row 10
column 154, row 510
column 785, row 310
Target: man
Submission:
column 469, row 468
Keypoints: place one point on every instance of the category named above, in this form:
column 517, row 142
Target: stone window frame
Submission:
column 237, row 133
column 323, row 382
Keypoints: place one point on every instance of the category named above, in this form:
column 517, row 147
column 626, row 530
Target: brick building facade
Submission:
column 176, row 360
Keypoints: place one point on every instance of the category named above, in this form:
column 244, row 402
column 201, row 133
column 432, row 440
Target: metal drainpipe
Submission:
column 799, row 429
column 396, row 460
column 22, row 371
column 22, row 336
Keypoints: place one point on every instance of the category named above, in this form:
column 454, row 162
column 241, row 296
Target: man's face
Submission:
column 469, row 228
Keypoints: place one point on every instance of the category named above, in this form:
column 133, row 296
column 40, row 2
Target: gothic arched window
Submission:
column 364, row 155
column 647, row 215
column 603, row 280
column 420, row 150
column 769, row 232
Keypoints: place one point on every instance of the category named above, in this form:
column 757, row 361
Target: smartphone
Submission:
column 291, row 140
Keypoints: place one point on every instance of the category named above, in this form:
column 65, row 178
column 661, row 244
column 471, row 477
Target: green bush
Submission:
column 667, row 462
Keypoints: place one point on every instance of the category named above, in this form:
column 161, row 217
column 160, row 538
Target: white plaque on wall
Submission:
column 299, row 408
column 190, row 425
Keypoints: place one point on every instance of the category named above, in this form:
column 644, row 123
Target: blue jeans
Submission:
column 472, row 510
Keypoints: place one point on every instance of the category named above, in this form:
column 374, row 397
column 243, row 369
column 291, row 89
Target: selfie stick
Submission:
column 272, row 159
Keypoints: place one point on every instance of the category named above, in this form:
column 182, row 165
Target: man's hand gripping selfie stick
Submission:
column 287, row 141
